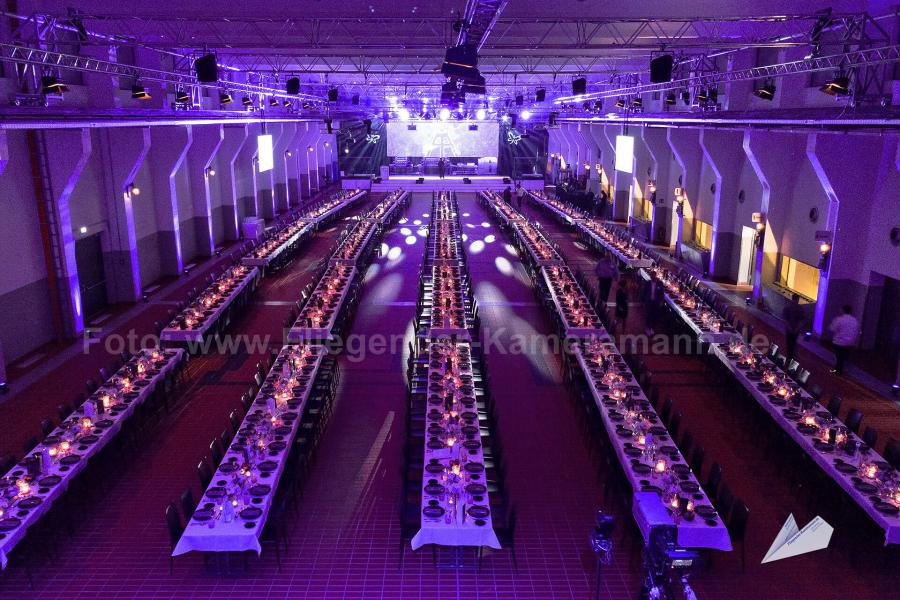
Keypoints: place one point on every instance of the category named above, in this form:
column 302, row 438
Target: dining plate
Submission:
column 434, row 468
column 478, row 511
column 476, row 489
column 216, row 492
column 433, row 512
column 250, row 513
column 888, row 509
column 640, row 468
column 474, row 467
column 865, row 487
column 50, row 480
column 260, row 490
column 705, row 510
column 70, row 459
column 267, row 466
column 434, row 489
column 9, row 523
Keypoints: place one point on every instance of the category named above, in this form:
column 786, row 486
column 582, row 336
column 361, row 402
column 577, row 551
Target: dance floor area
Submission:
column 343, row 539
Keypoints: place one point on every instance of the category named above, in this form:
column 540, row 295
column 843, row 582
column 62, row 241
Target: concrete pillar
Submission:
column 68, row 151
column 302, row 160
column 207, row 142
column 4, row 150
column 122, row 152
column 660, row 160
column 235, row 139
column 623, row 183
column 279, row 173
column 606, row 156
column 686, row 148
column 168, row 154
column 245, row 175
column 265, row 182
column 723, row 152
column 322, row 159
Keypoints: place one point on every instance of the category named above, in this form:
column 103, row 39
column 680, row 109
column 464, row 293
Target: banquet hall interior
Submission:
column 461, row 299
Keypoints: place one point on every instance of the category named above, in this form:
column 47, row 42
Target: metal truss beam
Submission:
column 480, row 17
column 846, row 61
column 58, row 60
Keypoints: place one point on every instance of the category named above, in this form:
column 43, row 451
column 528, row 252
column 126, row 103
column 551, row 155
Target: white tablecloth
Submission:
column 460, row 530
column 301, row 331
column 174, row 334
column 634, row 263
column 697, row 533
column 319, row 215
column 265, row 261
column 108, row 425
column 562, row 212
column 704, row 335
column 539, row 249
column 384, row 211
column 501, row 209
column 218, row 535
column 354, row 244
column 826, row 460
column 573, row 329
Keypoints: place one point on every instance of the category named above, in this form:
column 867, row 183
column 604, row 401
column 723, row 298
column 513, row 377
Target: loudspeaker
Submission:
column 579, row 86
column 513, row 119
column 368, row 124
column 520, row 100
column 466, row 180
column 420, row 180
column 506, row 180
column 332, row 95
column 376, row 179
column 461, row 62
column 207, row 69
column 540, row 95
column 354, row 100
column 661, row 68
column 292, row 85
column 328, row 125
column 551, row 121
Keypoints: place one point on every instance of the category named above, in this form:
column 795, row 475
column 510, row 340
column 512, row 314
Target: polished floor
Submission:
column 344, row 538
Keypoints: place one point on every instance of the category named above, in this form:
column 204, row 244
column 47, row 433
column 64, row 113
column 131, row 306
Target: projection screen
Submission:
column 442, row 138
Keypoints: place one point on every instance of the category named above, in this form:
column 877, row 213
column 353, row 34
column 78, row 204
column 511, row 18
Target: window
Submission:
column 702, row 234
column 644, row 209
column 799, row 277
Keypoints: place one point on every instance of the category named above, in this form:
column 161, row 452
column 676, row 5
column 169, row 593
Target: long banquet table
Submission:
column 263, row 255
column 625, row 253
column 384, row 211
column 328, row 209
column 540, row 251
column 354, row 246
column 633, row 425
column 447, row 299
column 68, row 449
column 455, row 505
column 501, row 209
column 579, row 318
column 233, row 510
column 564, row 212
column 858, row 474
column 320, row 313
column 195, row 321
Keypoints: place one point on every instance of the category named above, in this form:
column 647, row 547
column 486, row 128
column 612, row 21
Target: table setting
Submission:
column 539, row 249
column 270, row 249
column 455, row 505
column 566, row 213
column 28, row 491
column 193, row 322
column 860, row 471
column 649, row 457
column 337, row 202
column 697, row 314
column 444, row 242
column 624, row 251
column 444, row 208
column 384, row 211
column 572, row 306
column 501, row 209
column 232, row 512
column 318, row 316
column 447, row 299
column 354, row 244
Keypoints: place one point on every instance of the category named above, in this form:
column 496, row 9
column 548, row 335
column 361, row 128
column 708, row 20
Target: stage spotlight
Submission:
column 686, row 97
column 525, row 114
column 637, row 102
column 505, row 118
column 540, row 95
column 246, row 101
column 286, row 103
column 273, row 101
column 766, row 92
column 520, row 100
column 139, row 92
column 481, row 114
column 354, row 99
column 713, row 95
column 598, row 105
column 513, row 120
column 333, row 95
column 839, row 86
column 670, row 98
column 182, row 97
column 224, row 98
column 620, row 103
column 403, row 114
column 445, row 114
column 702, row 96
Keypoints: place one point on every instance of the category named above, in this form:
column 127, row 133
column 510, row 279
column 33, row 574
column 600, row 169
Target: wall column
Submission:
column 207, row 142
column 660, row 159
column 235, row 138
column 722, row 150
column 685, row 147
column 168, row 154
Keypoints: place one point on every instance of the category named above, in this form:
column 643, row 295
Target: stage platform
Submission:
column 433, row 183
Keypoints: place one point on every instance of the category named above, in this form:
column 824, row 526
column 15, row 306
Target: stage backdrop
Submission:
column 442, row 138
column 523, row 150
column 361, row 152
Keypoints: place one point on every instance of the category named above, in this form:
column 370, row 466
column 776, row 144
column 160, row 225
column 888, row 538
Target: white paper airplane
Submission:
column 792, row 541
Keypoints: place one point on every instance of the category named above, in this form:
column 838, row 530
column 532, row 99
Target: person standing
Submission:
column 794, row 321
column 507, row 195
column 519, row 195
column 441, row 167
column 606, row 271
column 601, row 209
column 845, row 332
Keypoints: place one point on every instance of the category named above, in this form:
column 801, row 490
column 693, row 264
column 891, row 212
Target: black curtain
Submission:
column 523, row 150
column 362, row 150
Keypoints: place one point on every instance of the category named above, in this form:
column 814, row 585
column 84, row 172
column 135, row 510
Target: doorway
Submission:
column 747, row 263
column 91, row 275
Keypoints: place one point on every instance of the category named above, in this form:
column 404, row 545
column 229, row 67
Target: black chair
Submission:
column 91, row 386
column 63, row 411
column 506, row 534
column 891, row 453
column 834, row 404
column 666, row 410
column 176, row 528
column 853, row 420
column 204, row 472
column 870, row 436
column 235, row 421
column 7, row 462
column 724, row 502
column 697, row 461
column 215, row 452
column 187, row 504
column 687, row 443
column 737, row 527
column 674, row 425
column 714, row 481
column 47, row 426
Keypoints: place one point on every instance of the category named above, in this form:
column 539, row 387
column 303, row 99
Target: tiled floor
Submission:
column 344, row 539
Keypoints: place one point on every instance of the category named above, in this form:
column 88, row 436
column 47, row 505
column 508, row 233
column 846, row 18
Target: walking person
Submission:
column 507, row 195
column 601, row 205
column 794, row 321
column 606, row 271
column 441, row 167
column 845, row 333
